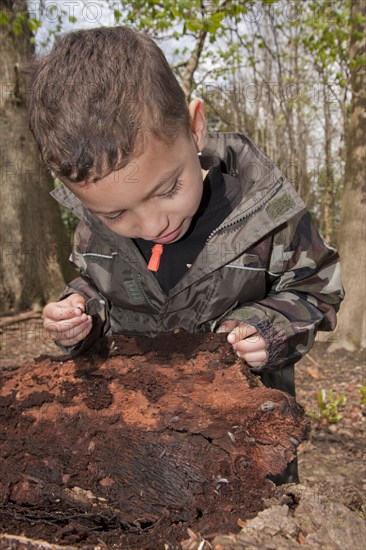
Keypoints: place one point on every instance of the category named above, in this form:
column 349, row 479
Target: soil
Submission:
column 335, row 453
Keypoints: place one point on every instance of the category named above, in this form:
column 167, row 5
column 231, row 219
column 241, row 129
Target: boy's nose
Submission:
column 153, row 226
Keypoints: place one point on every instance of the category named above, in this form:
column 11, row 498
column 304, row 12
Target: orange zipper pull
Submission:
column 156, row 253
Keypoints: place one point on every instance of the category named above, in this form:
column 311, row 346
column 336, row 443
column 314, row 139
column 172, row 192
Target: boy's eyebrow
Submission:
column 164, row 179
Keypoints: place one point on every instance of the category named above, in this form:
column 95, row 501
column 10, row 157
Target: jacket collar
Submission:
column 268, row 201
column 242, row 159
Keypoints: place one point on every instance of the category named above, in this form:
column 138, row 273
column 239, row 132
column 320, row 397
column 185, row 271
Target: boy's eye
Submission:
column 173, row 190
column 114, row 218
column 167, row 195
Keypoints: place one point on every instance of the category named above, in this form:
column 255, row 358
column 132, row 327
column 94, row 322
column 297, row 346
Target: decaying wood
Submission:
column 135, row 443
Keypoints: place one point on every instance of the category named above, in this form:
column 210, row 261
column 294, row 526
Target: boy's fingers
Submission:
column 68, row 313
column 54, row 325
column 73, row 341
column 59, row 312
column 256, row 359
column 76, row 338
column 61, row 327
column 242, row 331
column 74, row 335
column 77, row 302
column 227, row 326
column 250, row 345
column 72, row 306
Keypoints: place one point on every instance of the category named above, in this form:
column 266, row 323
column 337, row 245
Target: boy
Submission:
column 178, row 229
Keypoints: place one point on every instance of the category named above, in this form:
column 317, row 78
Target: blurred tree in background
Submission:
column 34, row 245
column 352, row 318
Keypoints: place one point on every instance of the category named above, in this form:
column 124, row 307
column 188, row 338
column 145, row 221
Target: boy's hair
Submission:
column 96, row 99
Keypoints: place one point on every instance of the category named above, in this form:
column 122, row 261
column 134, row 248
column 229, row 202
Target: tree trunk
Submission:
column 33, row 241
column 131, row 445
column 302, row 130
column 352, row 317
column 328, row 173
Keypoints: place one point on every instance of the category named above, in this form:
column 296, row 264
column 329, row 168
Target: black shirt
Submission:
column 218, row 194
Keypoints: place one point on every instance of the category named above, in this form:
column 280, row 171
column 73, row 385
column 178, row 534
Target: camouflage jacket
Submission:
column 265, row 265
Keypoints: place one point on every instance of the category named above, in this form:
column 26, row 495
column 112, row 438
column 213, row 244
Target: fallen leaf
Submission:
column 313, row 372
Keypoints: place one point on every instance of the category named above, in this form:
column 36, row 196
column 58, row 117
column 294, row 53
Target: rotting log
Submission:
column 139, row 440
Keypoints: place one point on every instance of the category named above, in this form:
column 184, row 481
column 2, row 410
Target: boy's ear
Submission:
column 198, row 123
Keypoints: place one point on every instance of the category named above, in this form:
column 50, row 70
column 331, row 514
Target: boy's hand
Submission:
column 246, row 341
column 66, row 322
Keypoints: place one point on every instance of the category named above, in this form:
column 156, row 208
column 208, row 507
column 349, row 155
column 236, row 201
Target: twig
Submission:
column 308, row 356
column 12, row 319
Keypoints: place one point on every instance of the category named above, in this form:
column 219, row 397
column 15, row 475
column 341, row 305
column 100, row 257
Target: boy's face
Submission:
column 154, row 197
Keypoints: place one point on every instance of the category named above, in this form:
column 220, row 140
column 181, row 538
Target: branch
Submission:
column 192, row 63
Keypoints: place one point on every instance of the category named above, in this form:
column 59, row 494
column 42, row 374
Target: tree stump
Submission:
column 137, row 441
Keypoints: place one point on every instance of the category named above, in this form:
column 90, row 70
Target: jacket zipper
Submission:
column 140, row 280
column 251, row 211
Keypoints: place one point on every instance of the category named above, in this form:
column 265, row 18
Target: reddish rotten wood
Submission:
column 135, row 443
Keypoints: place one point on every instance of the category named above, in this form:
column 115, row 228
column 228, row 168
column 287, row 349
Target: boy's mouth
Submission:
column 169, row 236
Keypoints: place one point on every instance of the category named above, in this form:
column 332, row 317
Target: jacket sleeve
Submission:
column 304, row 293
column 96, row 304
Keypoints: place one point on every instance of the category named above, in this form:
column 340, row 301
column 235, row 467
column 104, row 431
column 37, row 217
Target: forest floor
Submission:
column 336, row 451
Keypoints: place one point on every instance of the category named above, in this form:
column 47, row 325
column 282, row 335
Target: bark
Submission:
column 328, row 175
column 352, row 317
column 135, row 443
column 302, row 131
column 33, row 241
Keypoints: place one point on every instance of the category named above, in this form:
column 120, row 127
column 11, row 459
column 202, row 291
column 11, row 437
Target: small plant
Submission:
column 362, row 391
column 329, row 407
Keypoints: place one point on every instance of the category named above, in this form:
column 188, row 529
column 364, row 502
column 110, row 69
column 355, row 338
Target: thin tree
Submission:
column 352, row 317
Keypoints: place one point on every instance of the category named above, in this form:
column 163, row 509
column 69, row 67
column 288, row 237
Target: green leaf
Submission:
column 359, row 19
column 209, row 26
column 18, row 24
column 4, row 19
column 34, row 24
column 357, row 61
column 357, row 36
column 117, row 15
column 193, row 25
column 175, row 13
column 217, row 18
